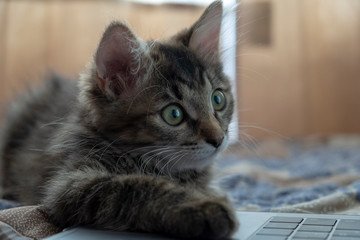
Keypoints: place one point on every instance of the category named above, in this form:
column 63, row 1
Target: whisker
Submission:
column 264, row 130
column 174, row 155
column 107, row 147
column 147, row 161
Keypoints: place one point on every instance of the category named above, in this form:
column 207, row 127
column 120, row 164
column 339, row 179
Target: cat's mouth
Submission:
column 192, row 156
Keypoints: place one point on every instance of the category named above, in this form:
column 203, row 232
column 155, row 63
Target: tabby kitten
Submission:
column 130, row 147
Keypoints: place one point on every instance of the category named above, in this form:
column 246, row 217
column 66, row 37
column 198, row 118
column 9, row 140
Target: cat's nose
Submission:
column 211, row 132
column 216, row 142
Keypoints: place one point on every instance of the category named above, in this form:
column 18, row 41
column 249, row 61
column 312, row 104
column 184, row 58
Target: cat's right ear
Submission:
column 120, row 62
column 205, row 33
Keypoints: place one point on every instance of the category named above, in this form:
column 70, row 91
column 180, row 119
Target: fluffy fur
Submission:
column 103, row 153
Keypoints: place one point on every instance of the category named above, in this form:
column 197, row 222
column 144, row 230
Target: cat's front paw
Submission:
column 210, row 219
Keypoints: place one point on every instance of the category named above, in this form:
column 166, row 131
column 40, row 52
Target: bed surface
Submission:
column 313, row 176
column 310, row 176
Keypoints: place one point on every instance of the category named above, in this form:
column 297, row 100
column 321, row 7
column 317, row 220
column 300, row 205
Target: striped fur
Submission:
column 101, row 154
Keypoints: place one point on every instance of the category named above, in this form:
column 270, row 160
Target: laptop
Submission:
column 253, row 226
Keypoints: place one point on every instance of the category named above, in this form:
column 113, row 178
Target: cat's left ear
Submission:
column 206, row 31
column 121, row 62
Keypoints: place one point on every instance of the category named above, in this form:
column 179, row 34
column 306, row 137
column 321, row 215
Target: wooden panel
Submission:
column 271, row 90
column 63, row 35
column 332, row 64
column 25, row 44
column 75, row 27
column 308, row 80
column 3, row 25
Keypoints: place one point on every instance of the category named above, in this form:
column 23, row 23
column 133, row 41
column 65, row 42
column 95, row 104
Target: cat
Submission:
column 131, row 146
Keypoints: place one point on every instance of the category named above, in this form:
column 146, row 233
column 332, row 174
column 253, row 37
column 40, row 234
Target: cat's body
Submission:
column 131, row 148
column 28, row 133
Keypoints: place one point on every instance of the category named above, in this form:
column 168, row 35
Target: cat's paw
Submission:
column 211, row 219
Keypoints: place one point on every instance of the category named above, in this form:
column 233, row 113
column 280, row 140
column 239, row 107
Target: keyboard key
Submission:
column 344, row 238
column 261, row 237
column 280, row 228
column 274, row 231
column 315, row 228
column 287, row 219
column 281, row 225
column 347, row 233
column 320, row 221
column 309, row 238
column 349, row 224
column 319, row 235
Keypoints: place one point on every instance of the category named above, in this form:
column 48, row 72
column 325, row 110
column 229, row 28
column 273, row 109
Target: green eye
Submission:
column 218, row 100
column 172, row 115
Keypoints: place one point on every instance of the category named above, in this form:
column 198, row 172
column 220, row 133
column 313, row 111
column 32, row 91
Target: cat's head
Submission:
column 166, row 102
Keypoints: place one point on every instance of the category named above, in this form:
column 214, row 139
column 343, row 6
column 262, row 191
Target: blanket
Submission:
column 27, row 222
column 320, row 177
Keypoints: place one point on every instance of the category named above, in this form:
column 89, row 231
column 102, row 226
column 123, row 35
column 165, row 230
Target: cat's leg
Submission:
column 134, row 202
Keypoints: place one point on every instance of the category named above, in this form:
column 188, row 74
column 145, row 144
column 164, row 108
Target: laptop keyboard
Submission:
column 297, row 228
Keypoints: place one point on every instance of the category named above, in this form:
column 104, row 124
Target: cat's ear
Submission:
column 120, row 60
column 205, row 34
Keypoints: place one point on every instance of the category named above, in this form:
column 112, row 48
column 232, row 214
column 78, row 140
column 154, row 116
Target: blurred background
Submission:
column 297, row 64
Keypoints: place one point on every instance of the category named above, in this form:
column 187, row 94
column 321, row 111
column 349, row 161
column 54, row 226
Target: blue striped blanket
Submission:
column 320, row 179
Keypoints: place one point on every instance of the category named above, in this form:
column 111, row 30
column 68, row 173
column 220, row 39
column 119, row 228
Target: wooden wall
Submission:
column 38, row 35
column 298, row 60
column 305, row 78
